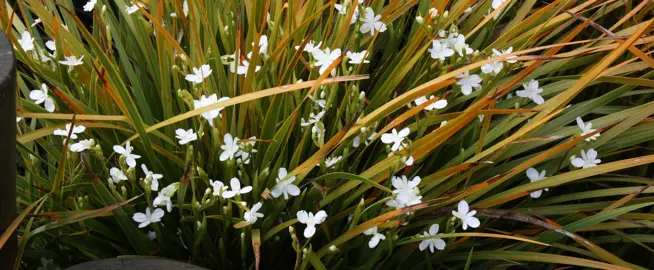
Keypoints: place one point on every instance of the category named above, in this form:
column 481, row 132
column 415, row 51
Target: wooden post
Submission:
column 7, row 148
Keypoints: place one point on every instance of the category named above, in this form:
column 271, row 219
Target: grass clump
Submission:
column 335, row 134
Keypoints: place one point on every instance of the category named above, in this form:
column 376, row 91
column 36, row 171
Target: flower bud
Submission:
column 333, row 249
column 420, row 20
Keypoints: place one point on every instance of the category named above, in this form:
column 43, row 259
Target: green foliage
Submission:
column 142, row 79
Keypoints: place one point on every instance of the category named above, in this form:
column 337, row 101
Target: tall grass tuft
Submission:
column 299, row 134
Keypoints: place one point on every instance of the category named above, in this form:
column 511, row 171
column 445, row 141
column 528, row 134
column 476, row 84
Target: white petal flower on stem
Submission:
column 185, row 136
column 311, row 221
column 230, row 148
column 342, row 10
column 252, row 215
column 409, row 161
column 459, row 44
column 26, row 41
column 357, row 57
column 263, row 44
column 395, row 138
column 466, row 216
column 492, row 67
column 236, row 189
column 51, row 45
column 73, row 135
column 313, row 119
column 324, row 58
column 151, row 178
column 72, row 61
column 439, row 104
column 440, row 50
column 126, row 151
column 218, row 187
column 376, row 237
column 149, row 217
column 152, row 235
column 90, row 5
column 243, row 68
column 36, row 21
column 497, row 3
column 310, row 47
column 134, row 8
column 534, row 176
column 117, row 175
column 163, row 199
column 81, row 146
column 406, row 192
column 199, row 74
column 433, row 242
column 371, row 23
column 41, row 96
column 588, row 159
column 468, row 82
column 507, row 51
column 331, row 161
column 531, row 91
column 206, row 101
column 587, row 128
column 285, row 187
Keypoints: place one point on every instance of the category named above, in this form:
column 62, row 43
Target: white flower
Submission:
column 218, row 187
column 406, row 192
column 152, row 235
column 134, row 8
column 199, row 74
column 206, row 101
column 163, row 198
column 37, row 21
column 534, row 176
column 311, row 221
column 127, row 153
column 81, row 146
column 263, row 44
column 324, row 58
column 458, row 42
column 185, row 136
column 466, row 216
column 73, row 135
column 433, row 12
column 88, row 7
column 342, row 10
column 41, row 96
column 148, row 217
column 230, row 148
column 72, row 61
column 507, row 51
column 242, row 69
column 497, row 3
column 588, row 159
column 235, row 185
column 51, row 45
column 376, row 237
column 357, row 58
column 117, row 175
column 586, row 129
column 395, row 138
column 310, row 47
column 185, row 8
column 18, row 118
column 252, row 215
column 331, row 161
column 285, row 187
column 440, row 50
column 439, row 104
column 409, row 161
column 313, row 119
column 371, row 23
column 432, row 242
column 468, row 82
column 151, row 178
column 531, row 91
column 26, row 41
column 492, row 67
